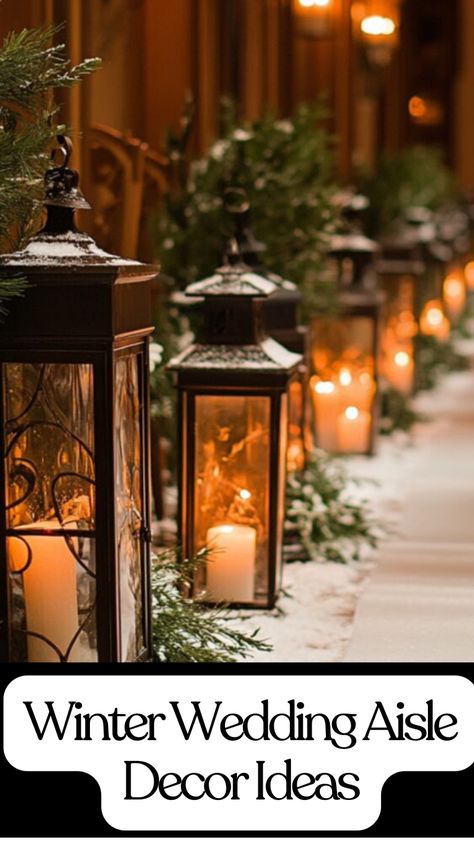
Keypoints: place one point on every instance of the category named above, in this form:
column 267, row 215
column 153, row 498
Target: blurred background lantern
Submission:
column 314, row 18
column 454, row 294
column 281, row 321
column 233, row 401
column 377, row 23
column 400, row 270
column 74, row 413
column 345, row 346
column 433, row 321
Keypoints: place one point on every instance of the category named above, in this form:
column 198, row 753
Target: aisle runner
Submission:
column 419, row 602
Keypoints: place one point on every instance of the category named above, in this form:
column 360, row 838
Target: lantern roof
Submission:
column 352, row 241
column 266, row 357
column 234, row 279
column 62, row 252
column 59, row 247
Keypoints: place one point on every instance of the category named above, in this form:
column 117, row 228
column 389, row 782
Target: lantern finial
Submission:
column 237, row 204
column 61, row 182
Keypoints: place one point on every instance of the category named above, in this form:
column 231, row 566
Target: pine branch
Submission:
column 186, row 632
column 31, row 69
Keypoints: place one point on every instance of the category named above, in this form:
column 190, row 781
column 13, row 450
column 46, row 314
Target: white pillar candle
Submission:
column 326, row 398
column 356, row 387
column 353, row 430
column 50, row 589
column 399, row 370
column 433, row 322
column 231, row 566
column 454, row 295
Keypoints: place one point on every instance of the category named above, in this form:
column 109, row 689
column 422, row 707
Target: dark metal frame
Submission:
column 91, row 314
column 187, row 405
column 354, row 304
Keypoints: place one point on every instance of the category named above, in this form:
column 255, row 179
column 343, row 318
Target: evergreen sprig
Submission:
column 286, row 168
column 412, row 177
column 187, row 632
column 331, row 524
column 31, row 69
column 30, row 65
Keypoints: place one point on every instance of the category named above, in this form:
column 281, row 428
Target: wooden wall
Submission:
column 155, row 51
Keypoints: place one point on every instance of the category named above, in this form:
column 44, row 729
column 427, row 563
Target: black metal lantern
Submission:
column 424, row 244
column 74, row 544
column 233, row 395
column 282, row 322
column 345, row 346
column 401, row 269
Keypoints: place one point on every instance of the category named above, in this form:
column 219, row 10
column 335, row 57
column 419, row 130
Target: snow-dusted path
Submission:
column 415, row 599
column 418, row 604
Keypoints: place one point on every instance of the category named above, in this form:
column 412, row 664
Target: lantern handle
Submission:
column 65, row 148
column 236, row 200
column 62, row 188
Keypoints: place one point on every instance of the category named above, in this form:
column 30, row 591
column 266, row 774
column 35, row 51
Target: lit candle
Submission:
column 433, row 322
column 399, row 370
column 231, row 566
column 469, row 274
column 356, row 388
column 353, row 430
column 454, row 296
column 50, row 589
column 326, row 397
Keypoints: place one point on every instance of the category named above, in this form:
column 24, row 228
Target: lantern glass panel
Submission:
column 400, row 328
column 231, row 498
column 50, row 493
column 343, row 387
column 284, row 427
column 129, row 503
column 296, row 445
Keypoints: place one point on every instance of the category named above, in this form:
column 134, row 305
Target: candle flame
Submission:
column 434, row 316
column 345, row 377
column 244, row 494
column 324, row 387
column 351, row 413
column 402, row 359
column 453, row 287
column 377, row 25
column 307, row 4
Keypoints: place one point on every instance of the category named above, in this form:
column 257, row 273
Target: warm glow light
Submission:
column 434, row 316
column 345, row 377
column 307, row 4
column 453, row 287
column 402, row 359
column 417, row 106
column 324, row 387
column 244, row 494
column 469, row 274
column 377, row 25
column 351, row 413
